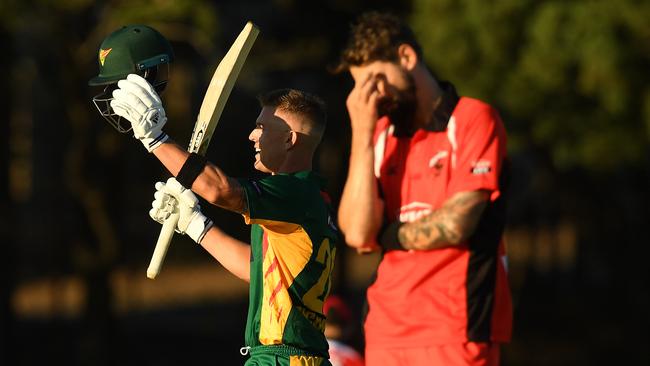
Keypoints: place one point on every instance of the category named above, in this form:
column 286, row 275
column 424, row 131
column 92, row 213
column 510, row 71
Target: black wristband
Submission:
column 388, row 238
column 191, row 169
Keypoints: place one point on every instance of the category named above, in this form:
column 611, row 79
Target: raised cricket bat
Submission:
column 214, row 101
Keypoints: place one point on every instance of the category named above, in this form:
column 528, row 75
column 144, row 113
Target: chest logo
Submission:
column 436, row 162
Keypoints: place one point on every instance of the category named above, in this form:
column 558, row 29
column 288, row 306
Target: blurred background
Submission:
column 570, row 79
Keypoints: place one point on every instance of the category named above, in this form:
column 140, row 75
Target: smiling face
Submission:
column 396, row 88
column 272, row 139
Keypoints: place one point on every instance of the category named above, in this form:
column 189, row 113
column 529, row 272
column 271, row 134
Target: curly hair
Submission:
column 375, row 37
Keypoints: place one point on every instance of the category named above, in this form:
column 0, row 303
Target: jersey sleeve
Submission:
column 275, row 198
column 479, row 153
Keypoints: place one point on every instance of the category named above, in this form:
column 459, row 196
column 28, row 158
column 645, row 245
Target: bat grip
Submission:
column 164, row 239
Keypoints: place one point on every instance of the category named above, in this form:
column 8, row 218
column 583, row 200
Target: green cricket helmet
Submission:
column 133, row 49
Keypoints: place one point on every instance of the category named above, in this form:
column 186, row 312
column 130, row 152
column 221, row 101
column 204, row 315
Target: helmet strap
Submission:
column 157, row 76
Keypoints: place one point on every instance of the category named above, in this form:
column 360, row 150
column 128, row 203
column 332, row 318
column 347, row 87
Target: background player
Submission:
column 339, row 329
column 426, row 182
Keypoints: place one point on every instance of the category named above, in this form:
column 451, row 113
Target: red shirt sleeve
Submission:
column 478, row 149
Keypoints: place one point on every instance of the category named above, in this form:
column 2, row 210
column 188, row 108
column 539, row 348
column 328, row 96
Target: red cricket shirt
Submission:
column 458, row 293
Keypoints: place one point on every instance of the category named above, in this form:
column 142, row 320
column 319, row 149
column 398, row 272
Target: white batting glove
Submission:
column 172, row 197
column 137, row 101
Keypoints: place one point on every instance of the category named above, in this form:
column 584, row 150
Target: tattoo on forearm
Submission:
column 449, row 225
column 445, row 235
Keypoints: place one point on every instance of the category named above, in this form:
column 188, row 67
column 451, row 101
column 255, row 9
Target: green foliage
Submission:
column 570, row 76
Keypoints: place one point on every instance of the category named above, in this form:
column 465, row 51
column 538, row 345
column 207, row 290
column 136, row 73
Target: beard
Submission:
column 400, row 107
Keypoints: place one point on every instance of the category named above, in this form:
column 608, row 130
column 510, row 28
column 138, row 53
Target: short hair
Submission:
column 375, row 37
column 298, row 102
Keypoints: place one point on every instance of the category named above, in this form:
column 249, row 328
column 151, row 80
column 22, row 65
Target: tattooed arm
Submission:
column 449, row 225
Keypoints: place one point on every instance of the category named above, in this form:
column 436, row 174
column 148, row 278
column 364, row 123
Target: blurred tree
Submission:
column 570, row 76
column 571, row 81
column 70, row 162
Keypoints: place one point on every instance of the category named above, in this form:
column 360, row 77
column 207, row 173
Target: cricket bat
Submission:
column 214, row 101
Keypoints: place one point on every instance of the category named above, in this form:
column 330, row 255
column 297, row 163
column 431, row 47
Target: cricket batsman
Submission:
column 289, row 260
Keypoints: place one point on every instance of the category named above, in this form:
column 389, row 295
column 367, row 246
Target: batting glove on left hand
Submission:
column 172, row 197
column 137, row 101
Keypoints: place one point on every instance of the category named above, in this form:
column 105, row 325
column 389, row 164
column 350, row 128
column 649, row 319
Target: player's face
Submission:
column 272, row 140
column 396, row 88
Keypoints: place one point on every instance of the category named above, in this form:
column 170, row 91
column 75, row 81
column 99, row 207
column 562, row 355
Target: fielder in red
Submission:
column 426, row 185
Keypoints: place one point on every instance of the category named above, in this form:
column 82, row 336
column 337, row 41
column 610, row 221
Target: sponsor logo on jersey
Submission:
column 317, row 320
column 414, row 211
column 103, row 54
column 481, row 167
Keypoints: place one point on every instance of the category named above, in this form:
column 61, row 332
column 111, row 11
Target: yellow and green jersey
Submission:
column 293, row 239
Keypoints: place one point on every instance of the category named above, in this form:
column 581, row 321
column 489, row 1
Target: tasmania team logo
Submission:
column 103, row 54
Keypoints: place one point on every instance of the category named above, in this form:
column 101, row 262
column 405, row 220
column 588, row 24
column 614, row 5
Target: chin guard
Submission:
column 102, row 102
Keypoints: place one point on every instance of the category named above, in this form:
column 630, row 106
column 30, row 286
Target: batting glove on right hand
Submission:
column 172, row 197
column 137, row 101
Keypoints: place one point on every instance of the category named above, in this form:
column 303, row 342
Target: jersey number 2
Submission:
column 316, row 295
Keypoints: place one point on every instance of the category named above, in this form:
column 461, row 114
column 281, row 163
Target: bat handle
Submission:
column 164, row 239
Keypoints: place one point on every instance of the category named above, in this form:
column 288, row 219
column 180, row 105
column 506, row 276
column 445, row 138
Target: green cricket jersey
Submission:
column 293, row 239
